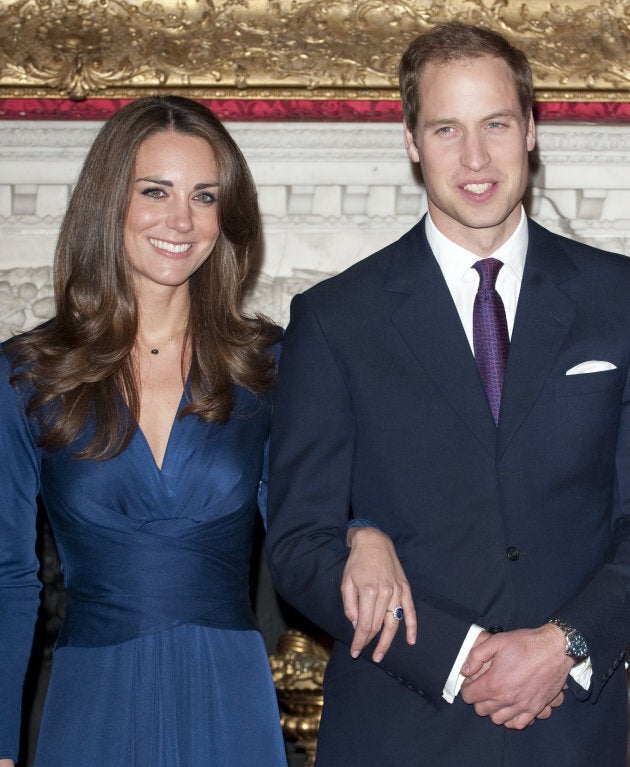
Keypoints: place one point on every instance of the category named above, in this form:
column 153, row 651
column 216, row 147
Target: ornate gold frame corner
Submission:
column 290, row 49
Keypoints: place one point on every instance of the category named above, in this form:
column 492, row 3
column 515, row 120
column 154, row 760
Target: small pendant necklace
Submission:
column 156, row 350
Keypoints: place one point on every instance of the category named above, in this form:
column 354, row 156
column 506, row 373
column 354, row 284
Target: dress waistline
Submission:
column 126, row 583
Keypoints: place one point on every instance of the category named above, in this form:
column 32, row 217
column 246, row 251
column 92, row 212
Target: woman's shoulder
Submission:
column 17, row 355
column 9, row 367
column 270, row 336
column 8, row 354
column 14, row 350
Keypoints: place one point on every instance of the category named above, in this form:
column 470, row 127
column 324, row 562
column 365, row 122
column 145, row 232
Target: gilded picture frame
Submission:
column 291, row 49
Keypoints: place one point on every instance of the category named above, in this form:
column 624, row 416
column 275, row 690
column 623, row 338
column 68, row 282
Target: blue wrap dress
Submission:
column 159, row 662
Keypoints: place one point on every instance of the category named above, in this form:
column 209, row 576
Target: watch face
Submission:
column 576, row 646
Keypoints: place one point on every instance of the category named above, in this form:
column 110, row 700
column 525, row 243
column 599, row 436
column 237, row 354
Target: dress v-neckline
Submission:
column 160, row 467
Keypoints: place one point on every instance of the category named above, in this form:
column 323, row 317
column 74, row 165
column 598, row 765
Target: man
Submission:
column 504, row 485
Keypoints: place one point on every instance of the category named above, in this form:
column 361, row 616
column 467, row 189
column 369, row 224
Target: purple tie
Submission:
column 490, row 332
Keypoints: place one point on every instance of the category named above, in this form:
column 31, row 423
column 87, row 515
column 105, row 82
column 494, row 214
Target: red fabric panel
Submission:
column 297, row 109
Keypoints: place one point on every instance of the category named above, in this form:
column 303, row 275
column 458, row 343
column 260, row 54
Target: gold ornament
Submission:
column 290, row 49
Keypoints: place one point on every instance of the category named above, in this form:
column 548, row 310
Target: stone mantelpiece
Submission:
column 330, row 194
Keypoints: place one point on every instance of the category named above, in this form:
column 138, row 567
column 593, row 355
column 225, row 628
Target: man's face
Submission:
column 472, row 144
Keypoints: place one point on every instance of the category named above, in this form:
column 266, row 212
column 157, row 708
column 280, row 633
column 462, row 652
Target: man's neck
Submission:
column 483, row 241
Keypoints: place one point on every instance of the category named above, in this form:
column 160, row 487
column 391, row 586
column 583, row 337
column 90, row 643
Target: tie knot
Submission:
column 488, row 269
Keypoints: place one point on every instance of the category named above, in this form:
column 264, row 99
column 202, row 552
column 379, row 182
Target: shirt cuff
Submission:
column 360, row 522
column 454, row 682
column 582, row 673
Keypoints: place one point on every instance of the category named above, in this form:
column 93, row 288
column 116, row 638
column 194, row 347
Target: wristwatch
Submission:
column 576, row 644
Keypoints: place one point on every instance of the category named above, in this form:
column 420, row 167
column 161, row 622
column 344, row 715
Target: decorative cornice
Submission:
column 329, row 194
column 265, row 140
column 288, row 49
column 608, row 144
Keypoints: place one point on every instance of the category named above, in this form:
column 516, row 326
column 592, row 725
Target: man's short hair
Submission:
column 454, row 41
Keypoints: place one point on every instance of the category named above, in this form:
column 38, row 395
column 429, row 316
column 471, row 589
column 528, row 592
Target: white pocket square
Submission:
column 591, row 366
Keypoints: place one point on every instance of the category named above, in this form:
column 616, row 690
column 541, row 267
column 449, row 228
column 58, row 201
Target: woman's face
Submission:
column 172, row 220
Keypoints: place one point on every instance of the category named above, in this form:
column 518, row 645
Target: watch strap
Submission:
column 576, row 646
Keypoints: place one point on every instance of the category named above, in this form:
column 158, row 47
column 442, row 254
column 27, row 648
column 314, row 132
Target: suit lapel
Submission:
column 429, row 323
column 543, row 317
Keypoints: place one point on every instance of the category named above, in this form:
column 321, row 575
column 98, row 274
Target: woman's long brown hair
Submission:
column 79, row 364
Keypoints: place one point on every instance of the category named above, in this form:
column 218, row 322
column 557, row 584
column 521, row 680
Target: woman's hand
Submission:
column 7, row 763
column 373, row 584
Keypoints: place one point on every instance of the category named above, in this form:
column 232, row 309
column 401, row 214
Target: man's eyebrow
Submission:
column 503, row 113
column 440, row 121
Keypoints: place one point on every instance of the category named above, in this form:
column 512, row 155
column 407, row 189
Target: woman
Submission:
column 141, row 413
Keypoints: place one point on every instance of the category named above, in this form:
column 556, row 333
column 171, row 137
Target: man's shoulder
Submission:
column 370, row 273
column 588, row 259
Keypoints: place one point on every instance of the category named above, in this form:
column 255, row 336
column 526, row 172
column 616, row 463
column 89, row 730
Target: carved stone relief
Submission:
column 329, row 195
column 25, row 298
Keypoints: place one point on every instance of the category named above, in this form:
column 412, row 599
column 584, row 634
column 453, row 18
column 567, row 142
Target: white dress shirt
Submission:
column 463, row 281
column 456, row 264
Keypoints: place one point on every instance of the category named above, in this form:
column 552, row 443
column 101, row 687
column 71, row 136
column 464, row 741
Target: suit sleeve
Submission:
column 312, row 451
column 600, row 610
column 19, row 586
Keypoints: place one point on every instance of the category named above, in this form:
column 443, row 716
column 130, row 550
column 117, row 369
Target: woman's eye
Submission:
column 154, row 192
column 206, row 197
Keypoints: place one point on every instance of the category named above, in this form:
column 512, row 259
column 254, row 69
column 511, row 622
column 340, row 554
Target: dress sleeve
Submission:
column 263, row 485
column 19, row 586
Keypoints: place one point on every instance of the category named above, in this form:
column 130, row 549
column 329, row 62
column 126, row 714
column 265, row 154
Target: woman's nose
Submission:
column 179, row 217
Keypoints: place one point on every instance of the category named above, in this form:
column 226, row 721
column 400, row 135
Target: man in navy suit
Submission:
column 508, row 506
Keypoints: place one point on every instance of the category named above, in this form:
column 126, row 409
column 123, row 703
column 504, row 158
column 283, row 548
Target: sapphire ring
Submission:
column 398, row 612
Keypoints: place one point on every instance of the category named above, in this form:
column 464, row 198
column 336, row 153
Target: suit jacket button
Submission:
column 494, row 629
column 513, row 553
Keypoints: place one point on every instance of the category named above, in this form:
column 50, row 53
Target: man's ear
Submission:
column 531, row 133
column 410, row 145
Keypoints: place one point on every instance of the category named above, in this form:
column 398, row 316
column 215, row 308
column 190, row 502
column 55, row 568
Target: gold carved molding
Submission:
column 298, row 668
column 291, row 49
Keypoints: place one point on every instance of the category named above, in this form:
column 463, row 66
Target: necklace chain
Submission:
column 154, row 349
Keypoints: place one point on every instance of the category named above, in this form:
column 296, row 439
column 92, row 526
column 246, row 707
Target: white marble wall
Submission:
column 330, row 193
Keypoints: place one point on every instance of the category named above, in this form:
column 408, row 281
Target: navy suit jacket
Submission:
column 380, row 413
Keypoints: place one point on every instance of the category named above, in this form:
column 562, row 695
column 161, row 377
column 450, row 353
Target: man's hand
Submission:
column 483, row 636
column 373, row 584
column 525, row 677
